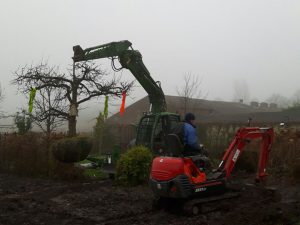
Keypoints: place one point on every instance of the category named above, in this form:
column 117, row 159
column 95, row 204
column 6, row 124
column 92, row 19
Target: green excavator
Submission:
column 154, row 125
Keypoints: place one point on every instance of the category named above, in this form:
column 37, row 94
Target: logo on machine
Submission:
column 236, row 155
column 161, row 160
column 200, row 189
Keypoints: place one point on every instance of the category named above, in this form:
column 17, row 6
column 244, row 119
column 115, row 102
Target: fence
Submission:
column 29, row 154
column 215, row 136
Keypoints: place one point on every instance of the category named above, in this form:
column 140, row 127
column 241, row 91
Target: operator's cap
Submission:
column 189, row 116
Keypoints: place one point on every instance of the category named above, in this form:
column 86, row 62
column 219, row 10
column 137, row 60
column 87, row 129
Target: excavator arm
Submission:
column 130, row 59
column 242, row 137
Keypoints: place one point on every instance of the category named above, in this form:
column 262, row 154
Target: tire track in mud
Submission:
column 102, row 202
column 54, row 189
column 112, row 219
column 65, row 201
column 14, row 206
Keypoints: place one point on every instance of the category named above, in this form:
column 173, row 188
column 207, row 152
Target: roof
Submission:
column 207, row 110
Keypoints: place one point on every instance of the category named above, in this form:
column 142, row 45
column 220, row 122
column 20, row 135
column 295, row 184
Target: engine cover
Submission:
column 166, row 168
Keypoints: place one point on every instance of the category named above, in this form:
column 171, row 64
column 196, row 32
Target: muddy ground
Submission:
column 48, row 202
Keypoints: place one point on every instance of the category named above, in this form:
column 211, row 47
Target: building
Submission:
column 206, row 111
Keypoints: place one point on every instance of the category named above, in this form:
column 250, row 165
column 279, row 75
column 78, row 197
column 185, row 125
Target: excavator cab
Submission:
column 153, row 130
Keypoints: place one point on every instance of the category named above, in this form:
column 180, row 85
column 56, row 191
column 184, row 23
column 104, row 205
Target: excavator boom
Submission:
column 242, row 137
column 131, row 60
column 101, row 51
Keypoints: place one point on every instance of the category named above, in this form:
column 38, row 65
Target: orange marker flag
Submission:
column 122, row 109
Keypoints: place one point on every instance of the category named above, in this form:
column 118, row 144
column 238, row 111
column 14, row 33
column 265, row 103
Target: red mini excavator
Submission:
column 174, row 176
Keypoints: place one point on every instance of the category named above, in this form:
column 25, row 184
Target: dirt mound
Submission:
column 37, row 201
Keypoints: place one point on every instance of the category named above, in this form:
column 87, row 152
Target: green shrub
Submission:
column 103, row 137
column 72, row 149
column 134, row 166
column 23, row 122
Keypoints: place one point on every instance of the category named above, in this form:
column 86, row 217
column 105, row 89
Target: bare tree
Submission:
column 48, row 101
column 296, row 98
column 241, row 91
column 85, row 82
column 1, row 100
column 190, row 89
column 1, row 94
column 280, row 100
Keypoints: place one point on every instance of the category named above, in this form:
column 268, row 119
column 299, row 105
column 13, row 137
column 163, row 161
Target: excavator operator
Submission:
column 191, row 145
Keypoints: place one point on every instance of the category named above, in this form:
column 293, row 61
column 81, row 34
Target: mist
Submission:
column 223, row 42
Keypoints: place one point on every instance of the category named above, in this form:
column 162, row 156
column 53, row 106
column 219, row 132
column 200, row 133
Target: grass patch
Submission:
column 94, row 173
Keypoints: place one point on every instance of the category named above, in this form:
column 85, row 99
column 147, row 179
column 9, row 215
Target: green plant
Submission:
column 23, row 122
column 72, row 149
column 103, row 138
column 94, row 173
column 116, row 153
column 133, row 166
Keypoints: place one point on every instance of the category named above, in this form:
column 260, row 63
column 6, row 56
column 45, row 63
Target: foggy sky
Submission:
column 220, row 41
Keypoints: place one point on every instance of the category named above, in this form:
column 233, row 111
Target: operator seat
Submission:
column 176, row 149
column 174, row 146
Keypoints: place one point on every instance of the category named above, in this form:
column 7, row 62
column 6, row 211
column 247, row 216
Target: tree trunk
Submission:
column 72, row 126
column 48, row 133
column 48, row 126
column 73, row 106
